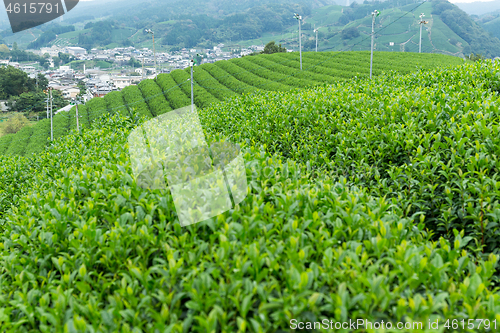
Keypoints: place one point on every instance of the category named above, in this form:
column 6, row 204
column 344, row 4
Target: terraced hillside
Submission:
column 368, row 200
column 222, row 80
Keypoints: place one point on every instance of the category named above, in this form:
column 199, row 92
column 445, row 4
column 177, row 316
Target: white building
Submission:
column 70, row 92
column 76, row 51
column 51, row 51
column 121, row 81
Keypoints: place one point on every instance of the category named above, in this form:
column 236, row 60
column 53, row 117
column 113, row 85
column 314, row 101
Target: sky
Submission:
column 454, row 1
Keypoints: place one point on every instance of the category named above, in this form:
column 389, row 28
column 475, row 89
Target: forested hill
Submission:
column 478, row 40
column 240, row 23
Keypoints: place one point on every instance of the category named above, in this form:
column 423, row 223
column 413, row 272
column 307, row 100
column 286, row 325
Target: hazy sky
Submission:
column 461, row 1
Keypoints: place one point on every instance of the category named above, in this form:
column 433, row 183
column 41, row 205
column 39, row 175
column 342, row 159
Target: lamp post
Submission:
column 76, row 102
column 421, row 22
column 149, row 31
column 375, row 13
column 316, row 31
column 299, row 18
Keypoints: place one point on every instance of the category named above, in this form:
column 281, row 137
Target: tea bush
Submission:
column 428, row 141
column 134, row 100
column 115, row 103
column 154, row 97
column 202, row 98
column 226, row 79
column 84, row 249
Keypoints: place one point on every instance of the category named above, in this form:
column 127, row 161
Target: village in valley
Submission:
column 125, row 66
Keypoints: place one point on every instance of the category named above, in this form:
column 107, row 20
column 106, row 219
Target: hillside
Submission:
column 243, row 23
column 368, row 199
column 219, row 81
column 493, row 26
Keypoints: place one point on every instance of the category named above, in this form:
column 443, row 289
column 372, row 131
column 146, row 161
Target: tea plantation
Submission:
column 219, row 81
column 368, row 199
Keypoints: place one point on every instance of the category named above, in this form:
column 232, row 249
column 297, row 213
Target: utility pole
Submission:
column 299, row 18
column 149, row 31
column 76, row 102
column 47, row 100
column 51, row 116
column 375, row 13
column 77, row 123
column 421, row 22
column 142, row 67
column 316, row 31
column 192, row 92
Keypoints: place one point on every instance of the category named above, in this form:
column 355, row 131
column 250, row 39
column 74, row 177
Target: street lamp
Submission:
column 421, row 23
column 316, row 32
column 375, row 13
column 149, row 31
column 299, row 18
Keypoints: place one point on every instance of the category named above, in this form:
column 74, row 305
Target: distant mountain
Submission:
column 240, row 23
column 479, row 7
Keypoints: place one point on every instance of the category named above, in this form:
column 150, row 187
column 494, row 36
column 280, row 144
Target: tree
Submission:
column 65, row 58
column 15, row 124
column 13, row 82
column 134, row 63
column 56, row 61
column 475, row 57
column 43, row 82
column 4, row 51
column 349, row 33
column 271, row 48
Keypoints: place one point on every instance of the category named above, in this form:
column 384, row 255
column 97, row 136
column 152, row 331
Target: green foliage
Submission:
column 426, row 141
column 135, row 102
column 39, row 137
column 115, row 103
column 288, row 81
column 15, row 124
column 349, row 33
column 95, row 108
column 4, row 51
column 475, row 57
column 36, row 101
column 19, row 141
column 43, row 40
column 271, row 48
column 204, row 79
column 84, row 239
column 173, row 93
column 13, row 82
column 100, row 34
column 227, row 79
column 202, row 98
column 461, row 24
column 154, row 97
column 5, row 141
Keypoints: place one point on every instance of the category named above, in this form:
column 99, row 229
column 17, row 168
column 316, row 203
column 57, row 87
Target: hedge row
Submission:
column 204, row 79
column 227, row 80
column 276, row 76
column 250, row 78
column 95, row 108
column 5, row 142
column 20, row 141
column 115, row 103
column 202, row 98
column 135, row 101
column 173, row 93
column 264, row 61
column 154, row 97
column 39, row 137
